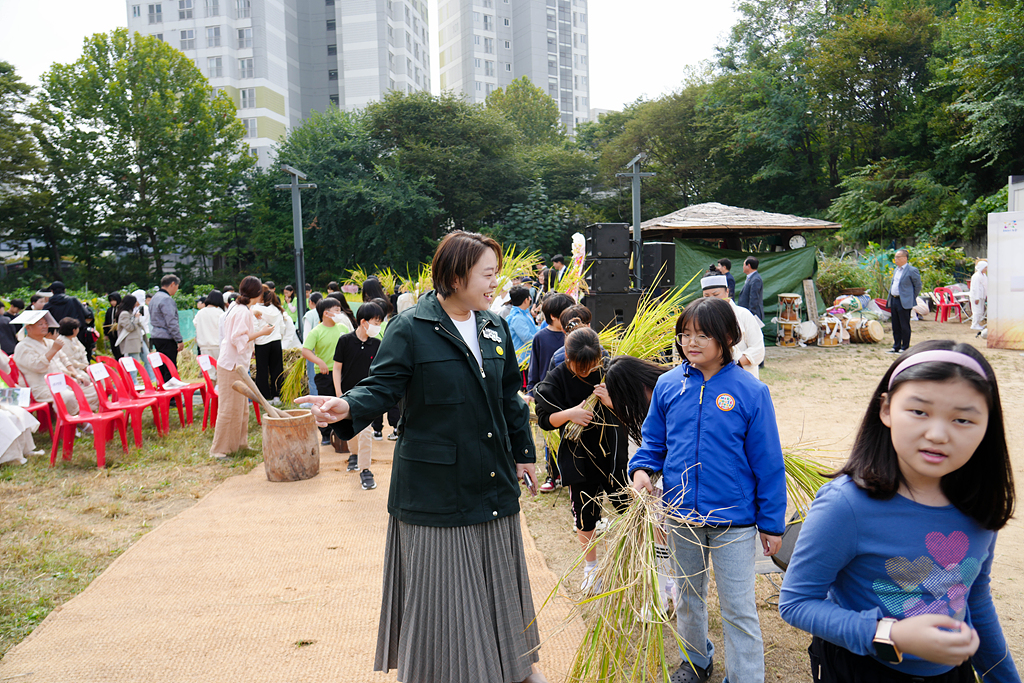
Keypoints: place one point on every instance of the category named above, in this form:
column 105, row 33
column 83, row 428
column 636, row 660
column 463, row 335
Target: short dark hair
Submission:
column 309, row 287
column 725, row 262
column 269, row 284
column 517, row 295
column 315, row 298
column 169, row 279
column 289, row 288
column 554, row 304
column 715, row 319
column 228, row 288
column 558, row 258
column 583, row 346
column 326, row 304
column 577, row 313
column 369, row 311
column 627, row 378
column 752, row 262
column 215, row 298
column 68, row 326
column 902, row 251
column 248, row 289
column 332, row 286
column 36, row 297
column 983, row 487
column 373, row 289
column 455, row 257
column 113, row 296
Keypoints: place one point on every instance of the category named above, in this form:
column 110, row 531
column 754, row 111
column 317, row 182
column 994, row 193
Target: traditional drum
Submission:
column 864, row 331
column 830, row 332
column 787, row 333
column 807, row 332
column 789, row 307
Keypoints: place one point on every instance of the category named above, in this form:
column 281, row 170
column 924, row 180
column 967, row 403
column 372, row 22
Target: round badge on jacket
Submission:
column 725, row 402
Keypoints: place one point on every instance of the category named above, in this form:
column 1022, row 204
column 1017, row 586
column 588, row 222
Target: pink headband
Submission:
column 938, row 356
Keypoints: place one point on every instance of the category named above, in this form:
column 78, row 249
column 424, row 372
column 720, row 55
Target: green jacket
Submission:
column 462, row 429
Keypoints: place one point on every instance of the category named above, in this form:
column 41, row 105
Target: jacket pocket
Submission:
column 441, row 382
column 428, row 480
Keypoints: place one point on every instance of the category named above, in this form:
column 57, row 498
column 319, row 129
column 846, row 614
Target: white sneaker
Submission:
column 591, row 582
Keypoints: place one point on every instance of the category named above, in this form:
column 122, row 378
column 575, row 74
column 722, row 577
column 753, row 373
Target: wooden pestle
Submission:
column 270, row 410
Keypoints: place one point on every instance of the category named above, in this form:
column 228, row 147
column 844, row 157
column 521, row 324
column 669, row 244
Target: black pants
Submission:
column 324, row 387
column 169, row 348
column 833, row 664
column 378, row 424
column 270, row 369
column 900, row 325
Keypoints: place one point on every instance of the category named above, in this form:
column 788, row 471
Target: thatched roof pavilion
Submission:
column 718, row 221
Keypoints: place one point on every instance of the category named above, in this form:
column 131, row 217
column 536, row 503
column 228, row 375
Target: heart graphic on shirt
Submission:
column 916, row 607
column 909, row 575
column 957, row 597
column 940, row 580
column 893, row 597
column 947, row 550
column 970, row 568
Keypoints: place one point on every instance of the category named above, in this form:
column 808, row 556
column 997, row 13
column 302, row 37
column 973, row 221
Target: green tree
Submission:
column 536, row 224
column 466, row 152
column 142, row 157
column 533, row 111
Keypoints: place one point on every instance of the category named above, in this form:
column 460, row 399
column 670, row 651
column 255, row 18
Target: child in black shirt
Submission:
column 352, row 357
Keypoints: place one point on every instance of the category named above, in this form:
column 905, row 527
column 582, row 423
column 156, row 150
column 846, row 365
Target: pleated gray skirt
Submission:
column 457, row 606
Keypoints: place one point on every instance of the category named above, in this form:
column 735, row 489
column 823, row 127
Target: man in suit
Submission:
column 724, row 266
column 906, row 285
column 752, row 295
column 555, row 272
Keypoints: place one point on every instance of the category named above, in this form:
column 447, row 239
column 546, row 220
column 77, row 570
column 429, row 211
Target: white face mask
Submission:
column 339, row 318
column 372, row 330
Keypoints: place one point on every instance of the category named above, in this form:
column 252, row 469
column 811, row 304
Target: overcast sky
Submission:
column 637, row 48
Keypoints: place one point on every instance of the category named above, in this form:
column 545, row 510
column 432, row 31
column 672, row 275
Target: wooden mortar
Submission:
column 291, row 446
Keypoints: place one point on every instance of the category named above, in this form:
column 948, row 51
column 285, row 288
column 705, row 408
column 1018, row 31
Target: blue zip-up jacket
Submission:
column 717, row 445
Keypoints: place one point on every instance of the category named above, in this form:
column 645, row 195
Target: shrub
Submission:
column 836, row 274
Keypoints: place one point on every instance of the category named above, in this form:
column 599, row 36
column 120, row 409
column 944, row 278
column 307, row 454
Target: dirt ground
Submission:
column 820, row 395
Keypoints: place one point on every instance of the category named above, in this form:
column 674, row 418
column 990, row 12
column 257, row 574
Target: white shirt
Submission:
column 467, row 328
column 207, row 323
column 271, row 317
column 897, row 276
column 751, row 342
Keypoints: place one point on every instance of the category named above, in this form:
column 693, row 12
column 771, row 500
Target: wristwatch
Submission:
column 884, row 647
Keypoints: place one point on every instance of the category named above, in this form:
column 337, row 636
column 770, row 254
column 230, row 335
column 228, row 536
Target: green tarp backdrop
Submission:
column 783, row 272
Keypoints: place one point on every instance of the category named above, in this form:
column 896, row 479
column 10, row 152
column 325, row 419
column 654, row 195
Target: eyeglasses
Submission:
column 700, row 340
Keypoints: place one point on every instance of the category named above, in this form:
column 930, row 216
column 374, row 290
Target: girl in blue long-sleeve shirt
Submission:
column 891, row 572
column 711, row 431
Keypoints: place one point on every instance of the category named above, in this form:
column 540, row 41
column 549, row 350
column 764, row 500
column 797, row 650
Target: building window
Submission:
column 476, row 40
column 408, row 17
column 332, row 25
column 244, row 8
column 488, row 3
column 508, row 22
column 247, row 98
column 391, row 83
column 244, row 38
column 245, row 68
column 479, row 85
column 408, row 41
column 489, row 68
column 488, row 22
column 217, row 91
column 417, row 75
column 490, row 88
column 250, row 127
column 156, row 14
column 335, row 100
column 332, row 75
column 391, row 35
column 184, row 9
column 159, row 36
column 508, row 67
column 477, row 62
column 136, row 11
column 212, row 8
column 213, row 36
column 215, row 66
column 188, row 40
column 416, row 50
column 489, row 45
column 332, row 49
column 391, row 63
column 508, row 44
column 408, row 66
column 329, row 3
column 476, row 17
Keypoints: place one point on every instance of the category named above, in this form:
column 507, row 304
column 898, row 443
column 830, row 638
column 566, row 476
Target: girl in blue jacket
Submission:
column 892, row 569
column 711, row 432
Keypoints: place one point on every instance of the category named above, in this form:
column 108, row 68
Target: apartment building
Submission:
column 281, row 60
column 486, row 44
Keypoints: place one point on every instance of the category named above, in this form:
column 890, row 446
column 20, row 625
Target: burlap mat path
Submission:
column 258, row 582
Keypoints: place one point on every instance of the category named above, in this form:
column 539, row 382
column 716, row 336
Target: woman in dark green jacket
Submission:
column 457, row 606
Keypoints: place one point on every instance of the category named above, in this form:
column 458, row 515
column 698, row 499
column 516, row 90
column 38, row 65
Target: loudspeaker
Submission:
column 611, row 309
column 607, row 240
column 608, row 275
column 658, row 263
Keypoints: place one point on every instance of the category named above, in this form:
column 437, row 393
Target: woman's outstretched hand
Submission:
column 326, row 409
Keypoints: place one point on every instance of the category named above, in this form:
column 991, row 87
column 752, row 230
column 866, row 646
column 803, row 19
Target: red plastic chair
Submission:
column 946, row 303
column 187, row 391
column 211, row 391
column 163, row 397
column 114, row 396
column 38, row 408
column 103, row 424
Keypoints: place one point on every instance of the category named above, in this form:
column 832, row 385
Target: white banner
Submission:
column 1006, row 280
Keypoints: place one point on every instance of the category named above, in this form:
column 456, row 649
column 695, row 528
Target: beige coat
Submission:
column 132, row 343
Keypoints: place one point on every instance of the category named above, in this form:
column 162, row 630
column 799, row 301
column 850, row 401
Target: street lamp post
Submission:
column 300, row 265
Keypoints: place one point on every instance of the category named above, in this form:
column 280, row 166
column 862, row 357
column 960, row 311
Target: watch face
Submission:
column 887, row 652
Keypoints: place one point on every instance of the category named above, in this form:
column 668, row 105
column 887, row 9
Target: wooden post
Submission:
column 811, row 301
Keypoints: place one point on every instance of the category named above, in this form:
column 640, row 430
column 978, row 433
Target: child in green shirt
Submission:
column 319, row 346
